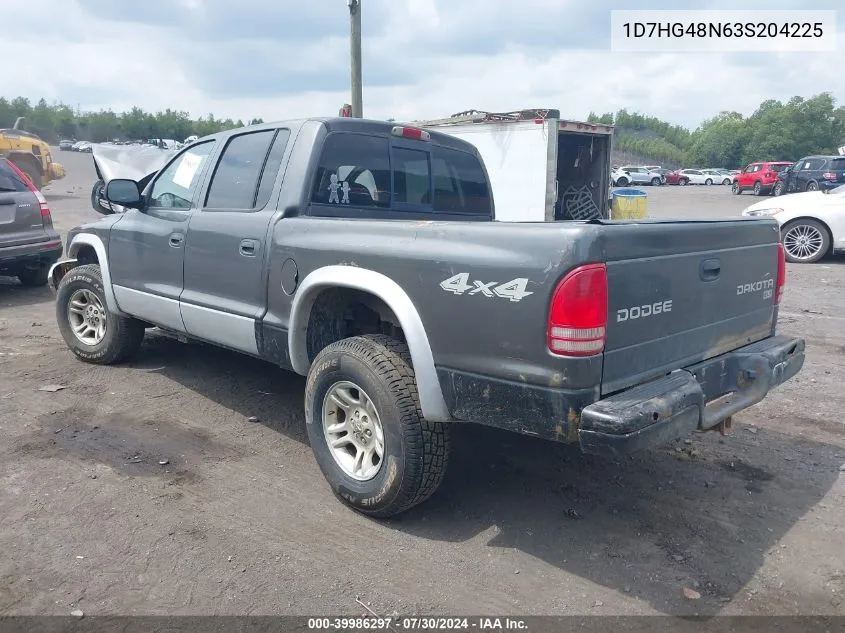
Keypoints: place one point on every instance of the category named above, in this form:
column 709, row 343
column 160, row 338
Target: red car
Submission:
column 759, row 177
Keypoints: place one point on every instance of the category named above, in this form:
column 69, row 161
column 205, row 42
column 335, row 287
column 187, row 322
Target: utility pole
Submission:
column 355, row 57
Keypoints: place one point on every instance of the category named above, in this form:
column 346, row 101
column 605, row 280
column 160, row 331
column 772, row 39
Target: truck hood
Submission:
column 128, row 161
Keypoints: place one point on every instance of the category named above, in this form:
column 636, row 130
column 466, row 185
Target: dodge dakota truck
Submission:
column 366, row 256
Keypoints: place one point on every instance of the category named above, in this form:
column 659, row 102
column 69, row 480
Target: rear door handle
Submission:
column 176, row 240
column 248, row 248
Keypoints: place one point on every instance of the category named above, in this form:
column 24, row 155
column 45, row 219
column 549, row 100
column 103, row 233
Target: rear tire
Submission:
column 122, row 336
column 758, row 189
column 414, row 451
column 33, row 277
column 708, row 182
column 32, row 172
column 805, row 241
column 812, row 186
column 683, row 182
column 726, row 181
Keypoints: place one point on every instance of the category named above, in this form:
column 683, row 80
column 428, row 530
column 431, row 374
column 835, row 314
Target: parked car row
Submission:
column 683, row 177
column 811, row 173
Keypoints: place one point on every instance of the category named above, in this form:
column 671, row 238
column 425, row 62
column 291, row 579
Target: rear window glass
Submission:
column 778, row 167
column 837, row 163
column 460, row 185
column 354, row 170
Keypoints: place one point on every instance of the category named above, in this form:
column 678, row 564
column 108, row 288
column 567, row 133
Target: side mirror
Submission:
column 124, row 192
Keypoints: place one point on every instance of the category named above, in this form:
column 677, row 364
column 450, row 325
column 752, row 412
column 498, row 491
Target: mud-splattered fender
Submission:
column 431, row 397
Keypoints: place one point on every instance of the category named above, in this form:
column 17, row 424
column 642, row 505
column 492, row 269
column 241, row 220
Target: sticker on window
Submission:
column 187, row 169
column 334, row 186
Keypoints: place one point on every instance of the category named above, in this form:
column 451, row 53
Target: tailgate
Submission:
column 682, row 292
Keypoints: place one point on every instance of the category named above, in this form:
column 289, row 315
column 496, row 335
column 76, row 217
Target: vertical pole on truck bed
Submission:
column 553, row 130
column 355, row 57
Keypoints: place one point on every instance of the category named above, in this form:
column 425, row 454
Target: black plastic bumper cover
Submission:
column 694, row 398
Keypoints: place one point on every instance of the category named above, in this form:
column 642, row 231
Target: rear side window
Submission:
column 235, row 183
column 812, row 164
column 460, row 185
column 354, row 170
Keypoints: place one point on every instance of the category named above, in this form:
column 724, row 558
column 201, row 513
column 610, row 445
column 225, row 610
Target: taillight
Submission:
column 829, row 175
column 414, row 133
column 46, row 218
column 578, row 312
column 781, row 282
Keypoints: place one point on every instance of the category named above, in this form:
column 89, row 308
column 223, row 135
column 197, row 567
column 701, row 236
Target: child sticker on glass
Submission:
column 334, row 185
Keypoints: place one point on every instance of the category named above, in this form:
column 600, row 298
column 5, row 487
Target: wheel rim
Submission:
column 757, row 188
column 353, row 430
column 803, row 242
column 87, row 317
column 682, row 182
column 812, row 186
column 708, row 182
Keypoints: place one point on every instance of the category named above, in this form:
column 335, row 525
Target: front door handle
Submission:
column 176, row 240
column 248, row 248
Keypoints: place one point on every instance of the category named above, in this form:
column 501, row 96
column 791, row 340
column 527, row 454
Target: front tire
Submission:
column 622, row 182
column 655, row 182
column 92, row 333
column 361, row 399
column 778, row 189
column 683, row 182
column 708, row 182
column 735, row 189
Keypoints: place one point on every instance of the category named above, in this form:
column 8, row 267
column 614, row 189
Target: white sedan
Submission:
column 812, row 224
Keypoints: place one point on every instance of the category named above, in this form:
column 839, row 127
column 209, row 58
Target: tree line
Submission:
column 774, row 131
column 57, row 121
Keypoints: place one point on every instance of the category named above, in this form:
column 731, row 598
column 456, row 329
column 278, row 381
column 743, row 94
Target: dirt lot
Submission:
column 240, row 521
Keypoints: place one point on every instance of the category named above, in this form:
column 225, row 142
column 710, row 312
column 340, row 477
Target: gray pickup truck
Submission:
column 366, row 255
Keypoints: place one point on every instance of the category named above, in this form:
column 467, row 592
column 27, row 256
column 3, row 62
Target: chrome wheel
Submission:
column 87, row 317
column 803, row 242
column 353, row 430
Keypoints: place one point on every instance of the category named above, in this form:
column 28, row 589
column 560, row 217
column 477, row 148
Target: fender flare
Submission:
column 428, row 386
column 96, row 243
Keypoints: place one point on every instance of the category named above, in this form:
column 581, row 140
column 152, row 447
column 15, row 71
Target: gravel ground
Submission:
column 240, row 521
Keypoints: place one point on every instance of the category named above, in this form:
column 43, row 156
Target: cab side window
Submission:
column 245, row 175
column 176, row 186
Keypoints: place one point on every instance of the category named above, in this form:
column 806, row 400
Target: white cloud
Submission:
column 422, row 59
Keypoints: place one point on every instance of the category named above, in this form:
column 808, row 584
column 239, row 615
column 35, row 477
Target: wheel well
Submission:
column 86, row 255
column 339, row 313
column 823, row 223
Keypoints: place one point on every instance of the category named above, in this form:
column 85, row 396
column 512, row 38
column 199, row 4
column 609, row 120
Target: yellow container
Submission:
column 629, row 204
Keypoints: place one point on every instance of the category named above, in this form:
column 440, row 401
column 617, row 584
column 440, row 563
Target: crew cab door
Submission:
column 226, row 254
column 147, row 247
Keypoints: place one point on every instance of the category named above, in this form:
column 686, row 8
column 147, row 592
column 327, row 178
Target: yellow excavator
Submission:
column 30, row 153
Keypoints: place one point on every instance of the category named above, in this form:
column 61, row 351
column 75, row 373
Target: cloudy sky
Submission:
column 280, row 59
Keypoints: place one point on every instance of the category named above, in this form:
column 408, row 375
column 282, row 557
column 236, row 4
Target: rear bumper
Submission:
column 695, row 398
column 30, row 255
